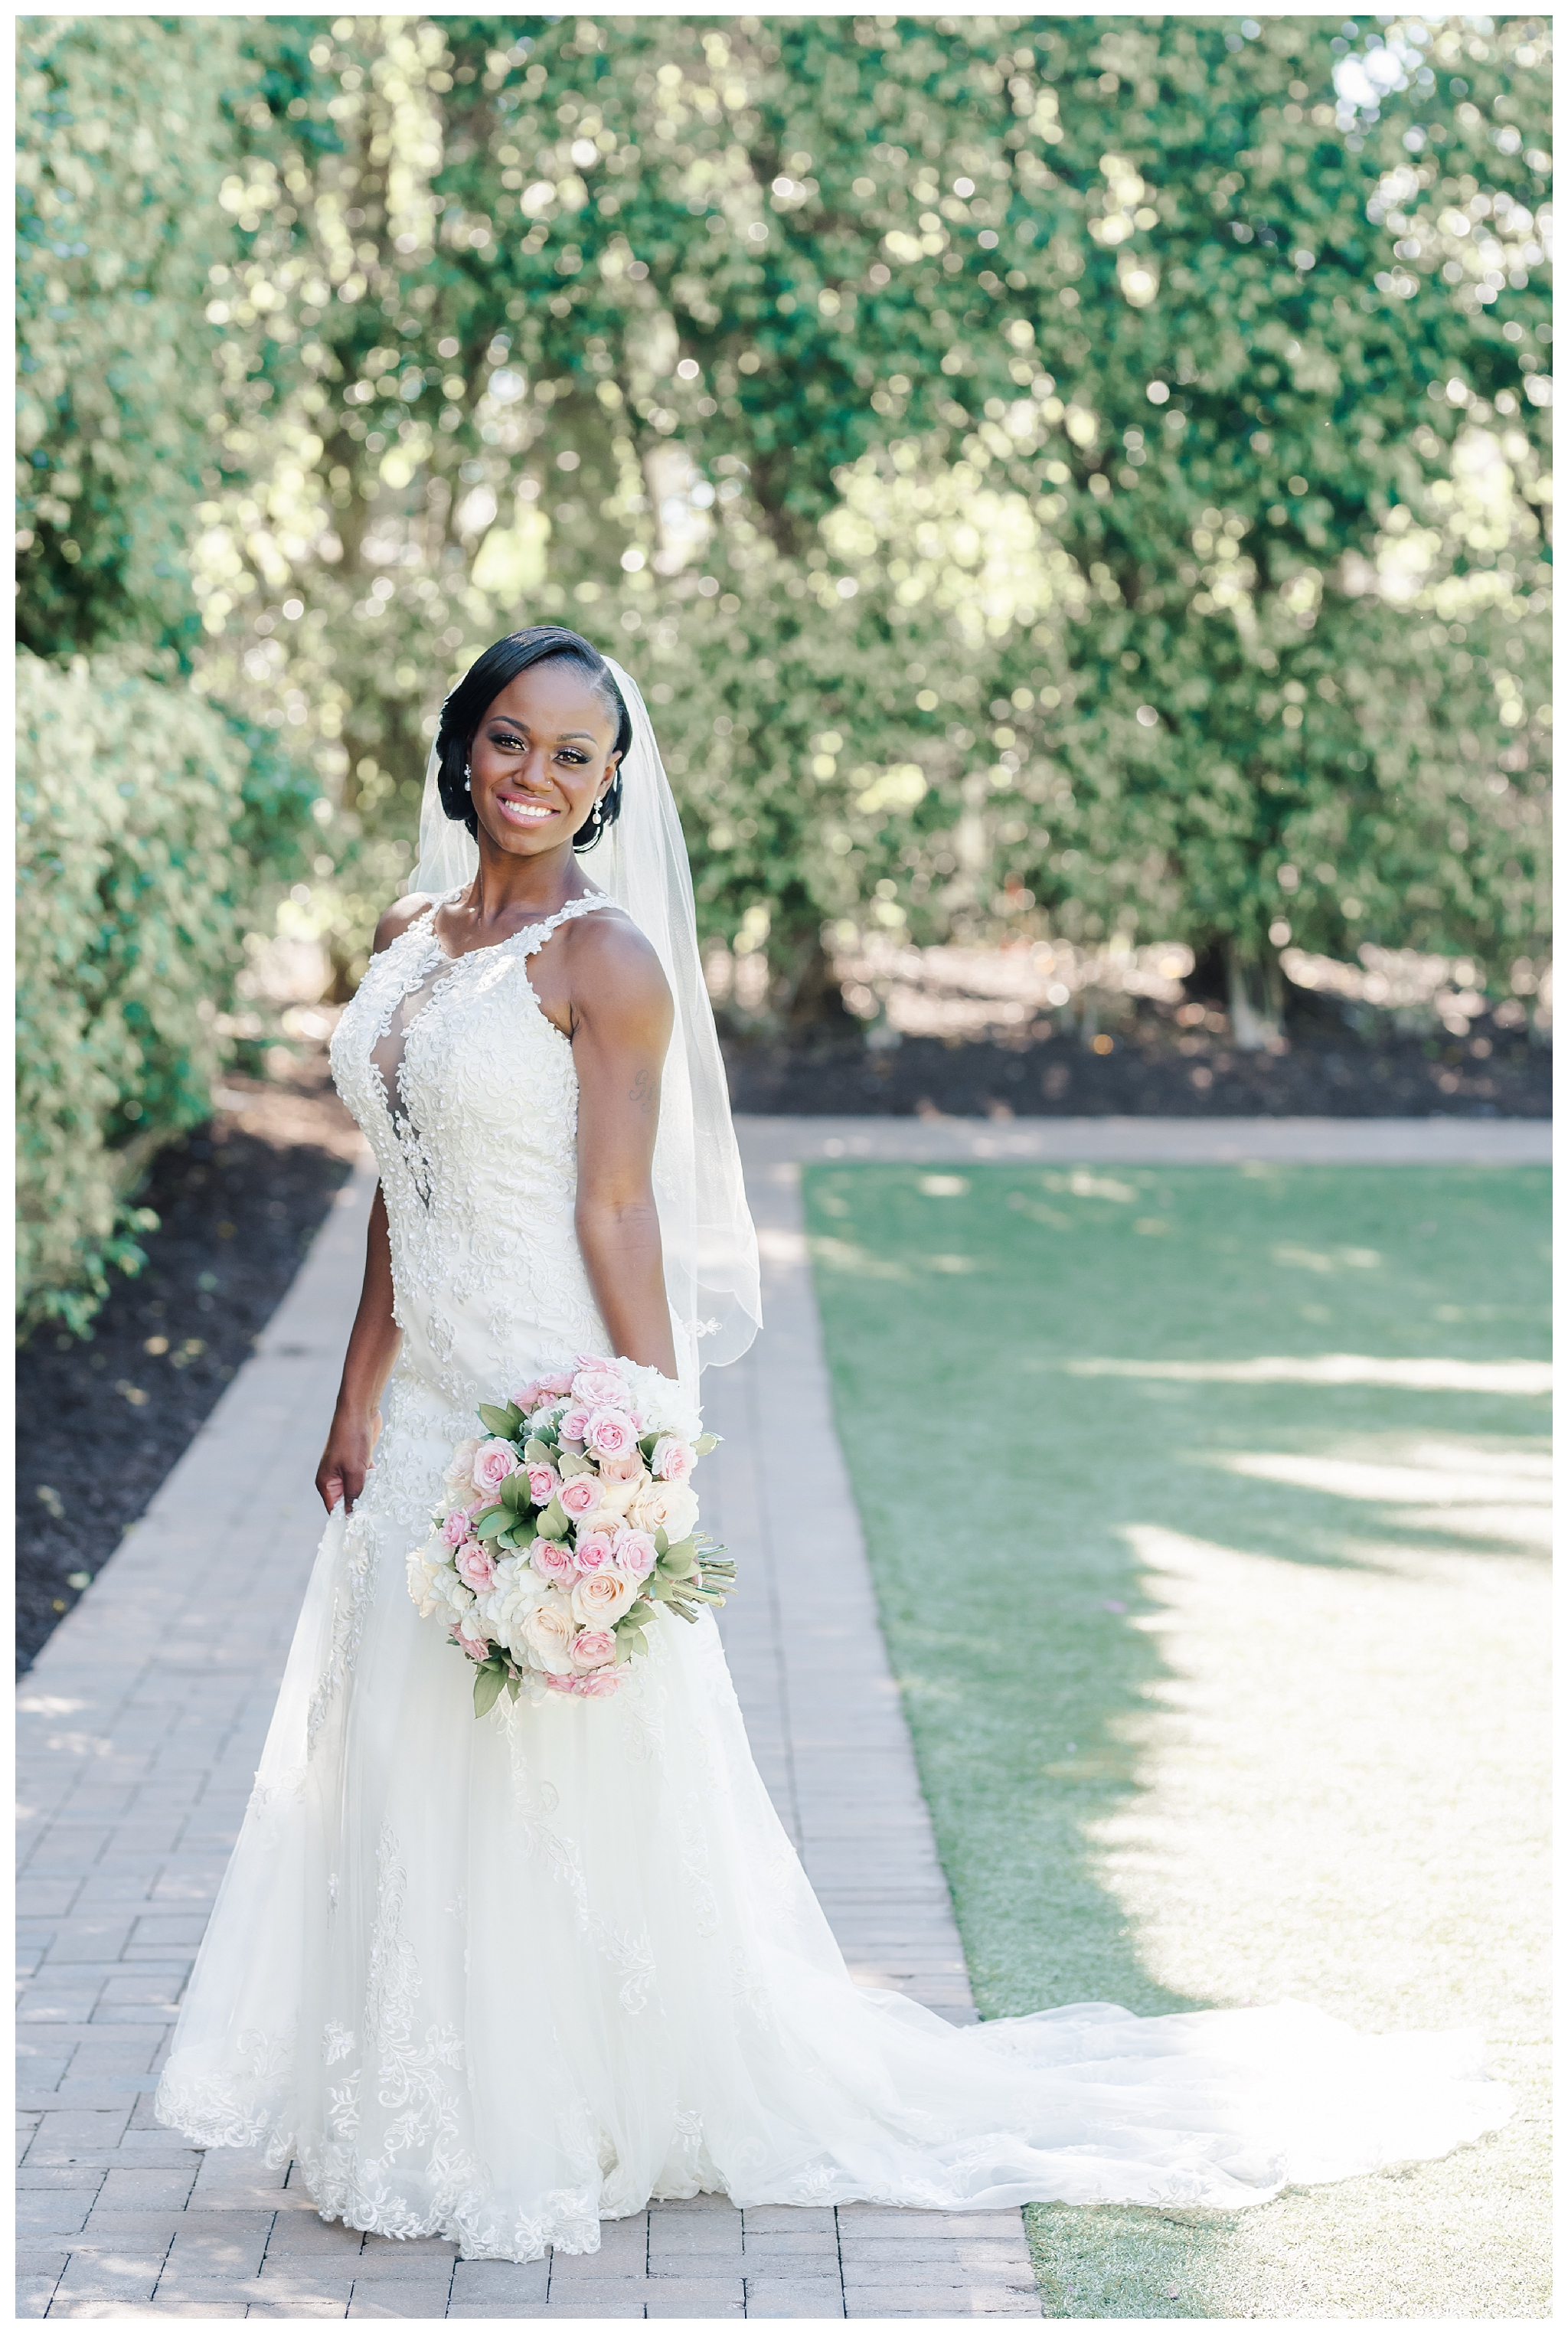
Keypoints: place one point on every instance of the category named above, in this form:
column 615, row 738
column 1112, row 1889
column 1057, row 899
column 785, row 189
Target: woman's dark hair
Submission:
column 482, row 684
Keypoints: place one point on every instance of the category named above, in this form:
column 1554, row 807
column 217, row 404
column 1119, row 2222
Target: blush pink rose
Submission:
column 543, row 1484
column 635, row 1554
column 595, row 1550
column 625, row 1467
column 600, row 1389
column 602, row 1597
column 579, row 1495
column 610, row 1433
column 468, row 1635
column 591, row 1648
column 528, row 1397
column 551, row 1562
column 493, row 1463
column 556, row 1382
column 455, row 1530
column 476, row 1565
column 673, row 1461
column 600, row 1682
column 597, row 1362
column 574, row 1423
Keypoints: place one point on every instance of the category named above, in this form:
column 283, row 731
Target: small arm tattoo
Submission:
column 644, row 1091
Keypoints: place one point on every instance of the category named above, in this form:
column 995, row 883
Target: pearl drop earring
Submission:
column 467, row 781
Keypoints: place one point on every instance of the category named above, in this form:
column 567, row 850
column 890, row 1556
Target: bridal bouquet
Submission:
column 569, row 1523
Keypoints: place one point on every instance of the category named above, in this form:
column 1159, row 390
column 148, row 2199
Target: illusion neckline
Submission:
column 547, row 925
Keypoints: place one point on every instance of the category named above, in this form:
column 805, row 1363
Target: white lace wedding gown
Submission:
column 497, row 1980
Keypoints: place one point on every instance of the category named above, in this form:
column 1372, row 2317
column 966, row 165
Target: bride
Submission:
column 497, row 1980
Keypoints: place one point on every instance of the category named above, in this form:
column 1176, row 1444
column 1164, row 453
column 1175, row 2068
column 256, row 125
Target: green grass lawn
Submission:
column 1226, row 1682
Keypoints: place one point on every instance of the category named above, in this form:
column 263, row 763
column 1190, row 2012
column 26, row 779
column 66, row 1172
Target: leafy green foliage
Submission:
column 122, row 149
column 1069, row 472
column 132, row 898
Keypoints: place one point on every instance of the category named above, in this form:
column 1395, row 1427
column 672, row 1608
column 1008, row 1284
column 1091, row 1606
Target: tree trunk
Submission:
column 1256, row 999
column 810, row 997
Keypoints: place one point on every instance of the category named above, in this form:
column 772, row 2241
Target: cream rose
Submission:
column 547, row 1632
column 669, row 1508
column 600, row 1598
column 459, row 1473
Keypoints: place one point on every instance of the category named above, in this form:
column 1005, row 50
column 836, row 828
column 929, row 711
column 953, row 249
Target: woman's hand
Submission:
column 347, row 1457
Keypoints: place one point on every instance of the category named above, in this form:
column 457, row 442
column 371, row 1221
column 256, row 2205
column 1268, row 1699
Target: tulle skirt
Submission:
column 497, row 1980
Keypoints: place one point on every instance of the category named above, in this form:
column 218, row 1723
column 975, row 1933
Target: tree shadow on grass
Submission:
column 1002, row 1497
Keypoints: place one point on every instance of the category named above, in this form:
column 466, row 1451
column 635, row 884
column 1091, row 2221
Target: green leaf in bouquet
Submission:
column 488, row 1679
column 525, row 1531
column 661, row 1542
column 572, row 1462
column 493, row 1521
column 504, row 1422
column 705, row 1443
column 680, row 1560
column 513, row 1682
column 536, row 1453
column 515, row 1493
column 648, row 1445
column 553, row 1522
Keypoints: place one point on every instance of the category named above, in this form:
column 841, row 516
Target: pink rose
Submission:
column 459, row 1473
column 579, row 1495
column 610, row 1432
column 574, row 1423
column 602, row 1597
column 598, row 1683
column 556, row 1383
column 455, row 1529
column 493, row 1463
column 626, row 1467
column 673, row 1461
column 635, row 1554
column 475, row 1643
column 595, row 1550
column 476, row 1566
column 528, row 1397
column 598, row 1362
column 543, row 1484
column 551, row 1562
column 591, row 1648
column 600, row 1389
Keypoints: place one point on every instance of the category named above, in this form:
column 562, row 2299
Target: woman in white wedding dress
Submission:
column 498, row 1979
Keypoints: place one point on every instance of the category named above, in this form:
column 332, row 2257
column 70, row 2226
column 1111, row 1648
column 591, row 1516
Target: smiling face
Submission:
column 541, row 758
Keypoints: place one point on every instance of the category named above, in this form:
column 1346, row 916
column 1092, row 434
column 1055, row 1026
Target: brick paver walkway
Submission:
column 141, row 1725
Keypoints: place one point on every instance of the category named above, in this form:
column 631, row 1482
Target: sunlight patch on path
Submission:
column 1421, row 1374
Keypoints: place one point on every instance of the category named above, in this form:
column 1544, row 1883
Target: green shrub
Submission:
column 151, row 827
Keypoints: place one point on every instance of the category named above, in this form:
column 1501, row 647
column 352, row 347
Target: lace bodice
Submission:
column 467, row 1096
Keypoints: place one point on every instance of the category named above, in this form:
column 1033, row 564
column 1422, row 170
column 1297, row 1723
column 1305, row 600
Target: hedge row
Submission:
column 151, row 829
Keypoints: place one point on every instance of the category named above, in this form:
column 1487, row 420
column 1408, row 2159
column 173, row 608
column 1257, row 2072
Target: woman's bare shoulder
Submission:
column 397, row 918
column 615, row 968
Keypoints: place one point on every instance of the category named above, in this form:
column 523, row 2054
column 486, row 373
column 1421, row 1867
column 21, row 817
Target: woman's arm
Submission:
column 622, row 1017
column 373, row 1343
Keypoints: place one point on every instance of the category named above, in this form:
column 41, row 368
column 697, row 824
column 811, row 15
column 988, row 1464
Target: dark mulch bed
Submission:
column 101, row 1420
column 1156, row 1068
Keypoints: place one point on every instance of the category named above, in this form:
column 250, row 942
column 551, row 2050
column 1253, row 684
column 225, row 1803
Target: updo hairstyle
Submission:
column 483, row 683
